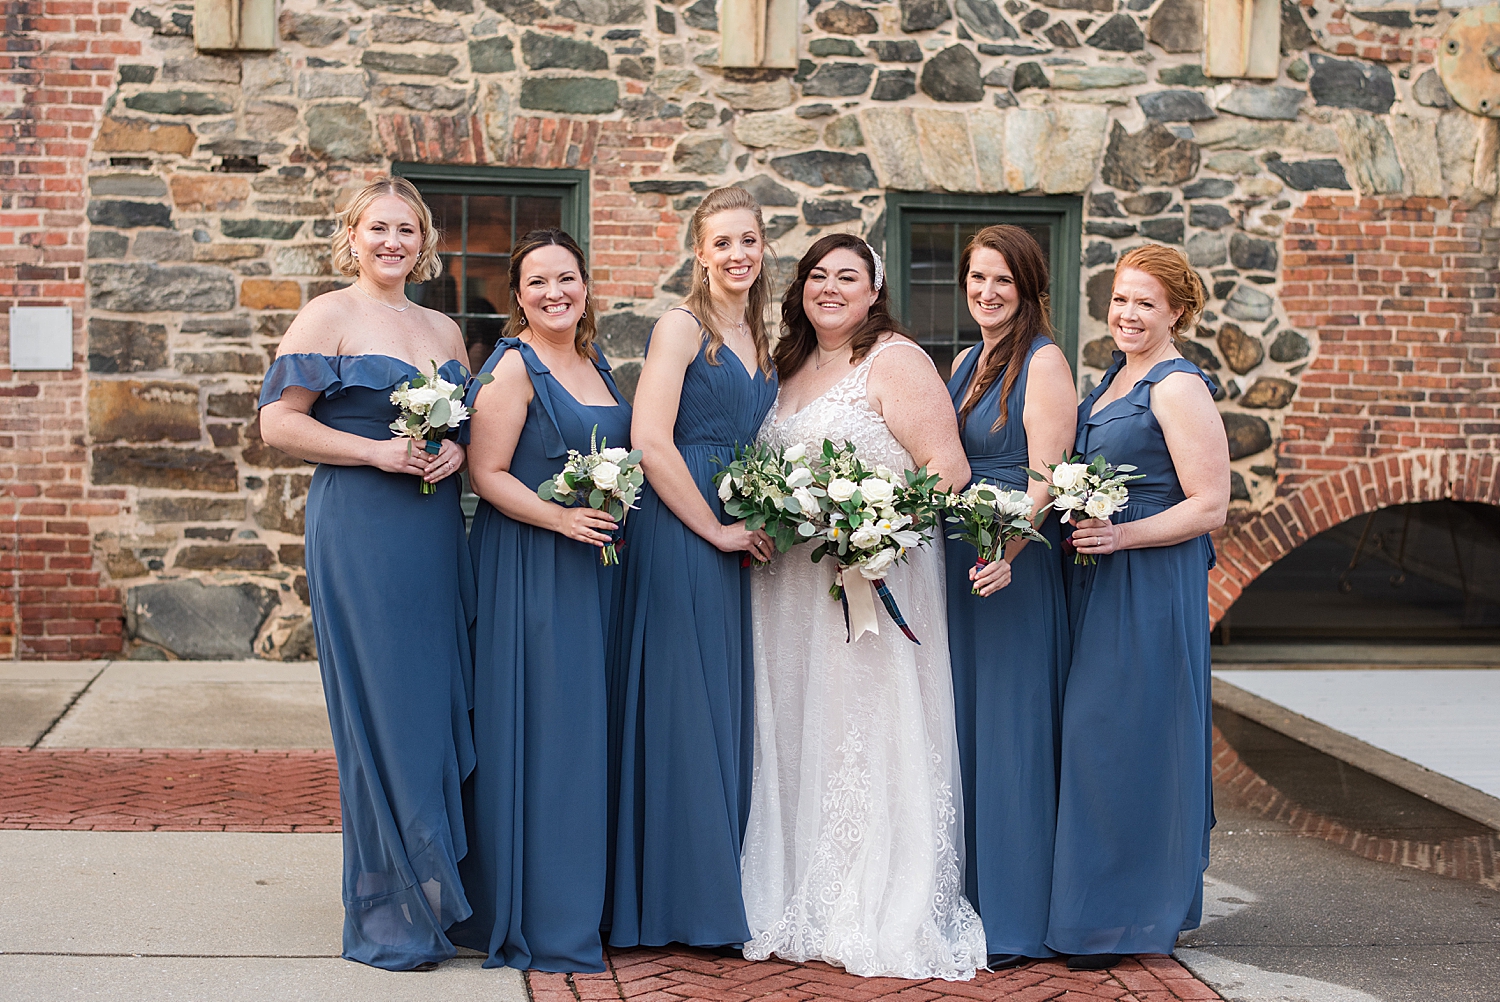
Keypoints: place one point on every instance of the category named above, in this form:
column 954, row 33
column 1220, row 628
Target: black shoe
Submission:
column 1094, row 961
column 733, row 952
column 1005, row 961
column 426, row 965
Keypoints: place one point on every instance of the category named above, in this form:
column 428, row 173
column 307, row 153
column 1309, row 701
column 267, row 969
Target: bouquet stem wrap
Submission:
column 858, row 594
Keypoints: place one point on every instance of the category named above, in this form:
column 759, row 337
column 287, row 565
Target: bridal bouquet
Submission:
column 866, row 523
column 772, row 490
column 989, row 517
column 1097, row 489
column 431, row 407
column 606, row 480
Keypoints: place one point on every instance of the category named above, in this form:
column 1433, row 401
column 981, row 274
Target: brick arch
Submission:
column 1247, row 548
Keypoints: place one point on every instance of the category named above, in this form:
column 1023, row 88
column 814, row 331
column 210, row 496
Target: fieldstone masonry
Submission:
column 181, row 202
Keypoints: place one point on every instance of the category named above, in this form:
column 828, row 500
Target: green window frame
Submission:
column 570, row 187
column 1063, row 214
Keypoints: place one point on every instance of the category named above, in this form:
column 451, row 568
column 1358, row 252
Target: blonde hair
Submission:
column 428, row 266
column 1170, row 267
column 700, row 296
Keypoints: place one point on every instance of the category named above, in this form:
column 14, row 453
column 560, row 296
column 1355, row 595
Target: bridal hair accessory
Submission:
column 879, row 266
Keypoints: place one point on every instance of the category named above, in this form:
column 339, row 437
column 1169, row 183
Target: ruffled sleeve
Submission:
column 310, row 371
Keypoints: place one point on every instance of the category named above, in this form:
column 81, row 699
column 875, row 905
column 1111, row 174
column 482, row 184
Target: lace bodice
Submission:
column 843, row 413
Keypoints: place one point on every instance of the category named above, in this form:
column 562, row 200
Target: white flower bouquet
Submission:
column 989, row 517
column 606, row 480
column 431, row 408
column 772, row 490
column 868, row 520
column 1096, row 489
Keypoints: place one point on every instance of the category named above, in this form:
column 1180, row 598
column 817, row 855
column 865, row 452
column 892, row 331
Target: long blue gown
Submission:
column 685, row 695
column 391, row 589
column 1136, row 801
column 1009, row 654
column 537, row 804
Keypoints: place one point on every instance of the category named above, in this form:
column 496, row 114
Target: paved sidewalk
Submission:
column 171, row 836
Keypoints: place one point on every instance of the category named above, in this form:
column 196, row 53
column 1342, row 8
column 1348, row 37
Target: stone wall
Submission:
column 1339, row 216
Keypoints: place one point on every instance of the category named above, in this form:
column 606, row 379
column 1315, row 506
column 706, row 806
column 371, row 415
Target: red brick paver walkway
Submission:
column 673, row 975
column 169, row 790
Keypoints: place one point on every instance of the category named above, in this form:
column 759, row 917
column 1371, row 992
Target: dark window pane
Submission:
column 489, row 224
column 487, row 285
column 537, row 213
column 931, row 312
column 447, row 216
column 931, row 252
column 441, row 293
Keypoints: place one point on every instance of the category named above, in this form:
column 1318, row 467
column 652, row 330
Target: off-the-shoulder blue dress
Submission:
column 685, row 695
column 392, row 595
column 538, row 802
column 1136, row 797
column 1009, row 653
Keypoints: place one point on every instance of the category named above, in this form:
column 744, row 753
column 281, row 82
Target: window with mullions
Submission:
column 481, row 213
column 925, row 236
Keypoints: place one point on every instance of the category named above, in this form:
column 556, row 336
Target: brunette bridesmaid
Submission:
column 538, row 802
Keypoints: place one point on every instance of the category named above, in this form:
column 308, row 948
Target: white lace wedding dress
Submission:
column 852, row 854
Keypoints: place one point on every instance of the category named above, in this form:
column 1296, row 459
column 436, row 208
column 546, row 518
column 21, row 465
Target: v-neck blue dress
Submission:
column 1009, row 654
column 1136, row 800
column 538, row 801
column 392, row 595
column 685, row 697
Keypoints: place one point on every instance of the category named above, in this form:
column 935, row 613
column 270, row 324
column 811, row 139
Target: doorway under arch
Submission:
column 1423, row 573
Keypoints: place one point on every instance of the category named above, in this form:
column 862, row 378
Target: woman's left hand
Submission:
column 991, row 577
column 1096, row 537
column 448, row 461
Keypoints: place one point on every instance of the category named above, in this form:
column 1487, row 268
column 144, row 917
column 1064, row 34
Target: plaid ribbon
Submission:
column 889, row 602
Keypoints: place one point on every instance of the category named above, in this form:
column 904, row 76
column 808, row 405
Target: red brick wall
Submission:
column 55, row 72
column 1399, row 403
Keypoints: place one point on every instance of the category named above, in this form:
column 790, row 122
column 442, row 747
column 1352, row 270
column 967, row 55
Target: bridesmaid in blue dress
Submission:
column 388, row 578
column 685, row 674
column 538, row 802
column 1009, row 644
column 1136, row 803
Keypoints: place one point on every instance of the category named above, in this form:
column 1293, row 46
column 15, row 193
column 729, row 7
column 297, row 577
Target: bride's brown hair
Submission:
column 799, row 339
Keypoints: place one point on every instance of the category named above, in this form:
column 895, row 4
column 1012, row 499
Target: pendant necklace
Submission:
column 394, row 309
column 820, row 361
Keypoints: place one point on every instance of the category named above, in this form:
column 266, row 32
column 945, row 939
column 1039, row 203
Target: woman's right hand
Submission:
column 735, row 537
column 587, row 525
column 400, row 455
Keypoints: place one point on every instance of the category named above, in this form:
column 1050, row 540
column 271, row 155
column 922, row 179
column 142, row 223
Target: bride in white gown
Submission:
column 853, row 851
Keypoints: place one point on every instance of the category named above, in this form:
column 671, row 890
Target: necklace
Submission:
column 820, row 361
column 397, row 309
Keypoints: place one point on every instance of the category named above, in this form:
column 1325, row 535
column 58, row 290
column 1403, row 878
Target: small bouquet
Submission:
column 606, row 480
column 431, row 407
column 989, row 517
column 771, row 490
column 868, row 521
column 1097, row 489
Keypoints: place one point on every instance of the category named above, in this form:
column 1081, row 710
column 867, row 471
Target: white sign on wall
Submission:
column 41, row 337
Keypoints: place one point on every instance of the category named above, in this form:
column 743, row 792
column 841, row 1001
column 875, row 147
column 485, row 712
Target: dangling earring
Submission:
column 583, row 315
column 523, row 318
column 354, row 254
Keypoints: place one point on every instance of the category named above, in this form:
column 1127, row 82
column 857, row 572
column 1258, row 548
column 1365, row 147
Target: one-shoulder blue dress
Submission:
column 1009, row 654
column 537, row 804
column 686, row 689
column 392, row 595
column 1136, row 800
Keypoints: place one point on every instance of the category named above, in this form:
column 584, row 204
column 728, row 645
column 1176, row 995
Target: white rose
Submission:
column 806, row 500
column 876, row 491
column 615, row 456
column 560, row 485
column 841, row 490
column 885, row 473
column 1066, row 476
column 795, row 454
column 1099, row 506
column 800, row 477
column 422, row 397
column 726, row 488
column 606, row 475
column 874, row 569
column 865, row 537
